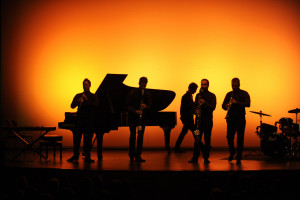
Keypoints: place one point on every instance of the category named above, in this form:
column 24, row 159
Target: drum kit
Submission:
column 279, row 144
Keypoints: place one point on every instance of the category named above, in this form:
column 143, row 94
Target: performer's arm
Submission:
column 226, row 101
column 246, row 100
column 76, row 101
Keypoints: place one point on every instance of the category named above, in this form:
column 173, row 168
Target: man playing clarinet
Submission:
column 138, row 103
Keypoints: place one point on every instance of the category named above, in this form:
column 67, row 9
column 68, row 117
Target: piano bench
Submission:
column 51, row 141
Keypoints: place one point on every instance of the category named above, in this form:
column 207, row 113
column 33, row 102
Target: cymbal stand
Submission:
column 260, row 116
column 258, row 133
column 295, row 149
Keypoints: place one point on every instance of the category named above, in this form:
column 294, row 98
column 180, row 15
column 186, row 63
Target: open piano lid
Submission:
column 112, row 94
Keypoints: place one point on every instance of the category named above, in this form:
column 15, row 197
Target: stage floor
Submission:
column 156, row 160
column 164, row 175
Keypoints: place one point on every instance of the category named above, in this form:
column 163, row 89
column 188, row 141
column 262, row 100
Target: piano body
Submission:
column 112, row 112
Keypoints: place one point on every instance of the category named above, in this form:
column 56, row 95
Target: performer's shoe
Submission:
column 193, row 160
column 230, row 158
column 73, row 159
column 238, row 162
column 177, row 150
column 88, row 160
column 206, row 161
column 139, row 159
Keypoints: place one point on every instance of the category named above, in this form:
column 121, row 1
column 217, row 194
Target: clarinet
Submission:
column 229, row 105
column 198, row 117
column 140, row 126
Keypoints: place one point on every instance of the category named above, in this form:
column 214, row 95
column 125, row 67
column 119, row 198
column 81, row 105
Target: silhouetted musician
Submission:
column 86, row 102
column 138, row 103
column 112, row 110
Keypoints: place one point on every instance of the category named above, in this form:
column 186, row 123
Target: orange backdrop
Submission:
column 49, row 47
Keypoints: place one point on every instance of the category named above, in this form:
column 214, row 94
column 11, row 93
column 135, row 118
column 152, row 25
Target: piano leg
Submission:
column 99, row 136
column 167, row 133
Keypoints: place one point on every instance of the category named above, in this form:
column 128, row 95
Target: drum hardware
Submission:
column 278, row 145
column 296, row 111
column 295, row 126
column 260, row 114
column 263, row 129
column 291, row 130
column 258, row 128
column 295, row 150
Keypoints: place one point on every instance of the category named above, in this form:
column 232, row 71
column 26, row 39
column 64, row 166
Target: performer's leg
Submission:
column 183, row 132
column 132, row 139
column 206, row 148
column 139, row 145
column 198, row 145
column 207, row 140
column 240, row 140
column 88, row 137
column 230, row 139
column 77, row 135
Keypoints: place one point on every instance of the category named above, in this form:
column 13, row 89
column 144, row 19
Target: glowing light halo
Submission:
column 59, row 44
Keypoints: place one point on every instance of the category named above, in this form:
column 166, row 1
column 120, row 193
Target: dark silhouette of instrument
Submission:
column 279, row 144
column 112, row 113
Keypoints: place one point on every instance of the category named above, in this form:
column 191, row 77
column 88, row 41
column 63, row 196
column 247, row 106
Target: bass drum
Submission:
column 276, row 146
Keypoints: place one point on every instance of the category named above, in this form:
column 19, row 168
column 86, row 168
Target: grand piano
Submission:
column 111, row 112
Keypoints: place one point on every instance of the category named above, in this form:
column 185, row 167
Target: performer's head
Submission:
column 193, row 88
column 143, row 82
column 235, row 84
column 204, row 84
column 86, row 85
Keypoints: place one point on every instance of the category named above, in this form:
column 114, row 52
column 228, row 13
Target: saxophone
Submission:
column 229, row 105
column 198, row 117
column 140, row 126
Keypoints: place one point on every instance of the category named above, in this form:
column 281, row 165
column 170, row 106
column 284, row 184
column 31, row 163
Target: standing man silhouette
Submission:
column 235, row 103
column 205, row 104
column 187, row 110
column 138, row 103
column 86, row 103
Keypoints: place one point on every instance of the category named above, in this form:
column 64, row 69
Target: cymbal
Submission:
column 297, row 110
column 260, row 113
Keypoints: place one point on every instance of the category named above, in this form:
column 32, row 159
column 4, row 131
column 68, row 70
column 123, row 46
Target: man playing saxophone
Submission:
column 235, row 103
column 205, row 104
